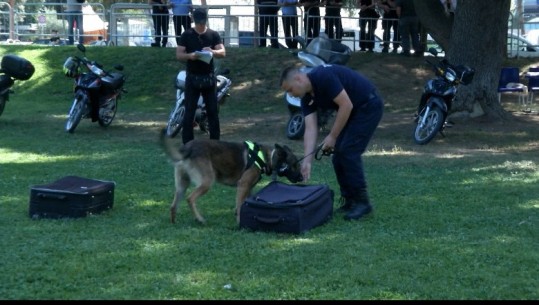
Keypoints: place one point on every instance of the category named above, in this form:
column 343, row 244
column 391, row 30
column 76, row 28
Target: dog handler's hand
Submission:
column 306, row 171
column 329, row 144
column 193, row 56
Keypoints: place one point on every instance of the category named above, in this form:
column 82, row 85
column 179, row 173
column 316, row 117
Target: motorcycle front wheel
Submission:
column 295, row 128
column 175, row 121
column 3, row 101
column 75, row 115
column 423, row 134
column 107, row 112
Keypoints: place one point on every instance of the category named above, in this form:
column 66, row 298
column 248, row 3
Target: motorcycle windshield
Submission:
column 438, row 86
column 89, row 80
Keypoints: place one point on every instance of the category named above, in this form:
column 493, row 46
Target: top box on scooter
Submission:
column 330, row 51
column 17, row 67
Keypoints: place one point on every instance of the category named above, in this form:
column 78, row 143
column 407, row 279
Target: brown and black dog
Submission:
column 202, row 162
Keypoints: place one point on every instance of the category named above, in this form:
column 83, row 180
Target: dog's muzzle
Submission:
column 285, row 171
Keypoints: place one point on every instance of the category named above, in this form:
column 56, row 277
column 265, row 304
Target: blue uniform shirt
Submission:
column 288, row 10
column 329, row 80
column 181, row 7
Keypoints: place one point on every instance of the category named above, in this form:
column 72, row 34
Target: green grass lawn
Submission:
column 451, row 221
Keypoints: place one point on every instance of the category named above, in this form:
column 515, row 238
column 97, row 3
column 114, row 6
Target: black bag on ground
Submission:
column 71, row 196
column 202, row 81
column 285, row 208
column 17, row 67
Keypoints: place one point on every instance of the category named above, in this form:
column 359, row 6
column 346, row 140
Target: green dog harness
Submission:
column 256, row 157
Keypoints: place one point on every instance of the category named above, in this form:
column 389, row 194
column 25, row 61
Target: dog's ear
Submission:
column 280, row 150
column 287, row 149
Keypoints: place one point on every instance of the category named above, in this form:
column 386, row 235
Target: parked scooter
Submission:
column 175, row 119
column 437, row 98
column 96, row 91
column 12, row 68
column 320, row 51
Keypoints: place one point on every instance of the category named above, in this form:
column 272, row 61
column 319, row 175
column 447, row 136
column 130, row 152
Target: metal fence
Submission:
column 130, row 24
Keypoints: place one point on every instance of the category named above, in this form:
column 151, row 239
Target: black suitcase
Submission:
column 284, row 208
column 17, row 67
column 71, row 196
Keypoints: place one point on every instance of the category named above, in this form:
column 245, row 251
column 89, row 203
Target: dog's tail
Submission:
column 170, row 147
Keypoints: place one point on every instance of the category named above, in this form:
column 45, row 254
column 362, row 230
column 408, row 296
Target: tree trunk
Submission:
column 477, row 37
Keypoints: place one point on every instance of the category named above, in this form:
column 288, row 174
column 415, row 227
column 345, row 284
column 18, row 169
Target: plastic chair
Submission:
column 510, row 83
column 533, row 83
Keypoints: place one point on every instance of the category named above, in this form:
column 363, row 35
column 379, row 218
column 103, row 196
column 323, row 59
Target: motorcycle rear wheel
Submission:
column 204, row 125
column 74, row 117
column 433, row 124
column 3, row 101
column 295, row 128
column 175, row 121
column 201, row 118
column 107, row 112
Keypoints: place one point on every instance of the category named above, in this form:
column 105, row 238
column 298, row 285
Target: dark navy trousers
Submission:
column 191, row 103
column 352, row 143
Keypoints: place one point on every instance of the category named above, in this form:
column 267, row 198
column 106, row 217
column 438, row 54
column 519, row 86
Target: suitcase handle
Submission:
column 268, row 220
column 51, row 196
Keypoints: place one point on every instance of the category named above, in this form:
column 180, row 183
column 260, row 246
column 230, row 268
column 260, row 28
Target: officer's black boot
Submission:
column 360, row 206
column 346, row 205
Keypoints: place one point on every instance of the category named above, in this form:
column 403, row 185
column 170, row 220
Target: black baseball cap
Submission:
column 200, row 15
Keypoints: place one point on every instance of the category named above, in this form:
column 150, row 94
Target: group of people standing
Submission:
column 268, row 11
column 400, row 25
column 399, row 22
column 161, row 18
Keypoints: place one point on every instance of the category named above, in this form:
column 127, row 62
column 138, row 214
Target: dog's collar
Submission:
column 256, row 156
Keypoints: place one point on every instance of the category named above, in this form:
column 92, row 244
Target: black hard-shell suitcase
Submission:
column 71, row 196
column 285, row 208
column 17, row 67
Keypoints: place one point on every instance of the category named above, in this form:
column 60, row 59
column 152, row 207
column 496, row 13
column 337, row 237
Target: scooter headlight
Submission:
column 450, row 75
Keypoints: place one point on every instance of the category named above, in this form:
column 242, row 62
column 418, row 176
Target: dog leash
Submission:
column 319, row 153
column 327, row 152
column 316, row 153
